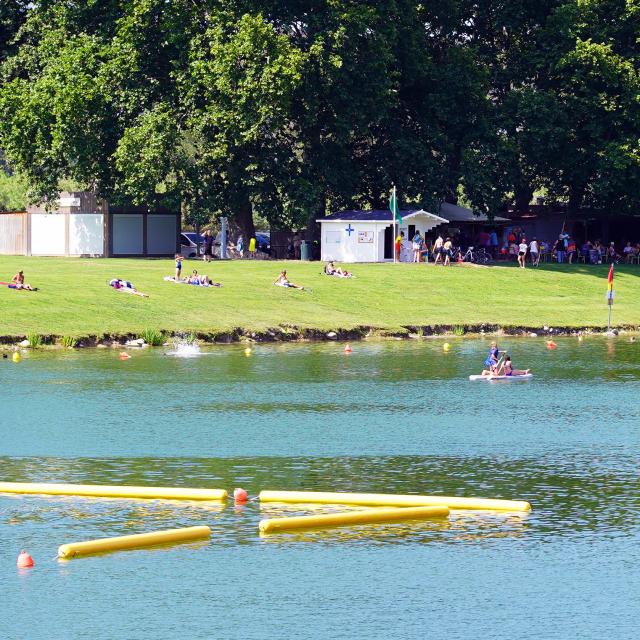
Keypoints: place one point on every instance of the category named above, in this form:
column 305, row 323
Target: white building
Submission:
column 83, row 225
column 367, row 236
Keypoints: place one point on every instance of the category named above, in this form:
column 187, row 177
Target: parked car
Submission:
column 263, row 242
column 188, row 244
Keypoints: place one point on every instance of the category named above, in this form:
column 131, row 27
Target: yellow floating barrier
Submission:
column 137, row 541
column 370, row 516
column 391, row 500
column 106, row 491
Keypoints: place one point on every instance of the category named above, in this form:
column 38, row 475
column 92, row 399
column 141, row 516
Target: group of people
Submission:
column 566, row 250
column 18, row 283
column 500, row 365
column 442, row 249
column 195, row 278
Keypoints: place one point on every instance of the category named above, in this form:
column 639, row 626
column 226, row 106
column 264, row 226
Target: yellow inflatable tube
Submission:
column 106, row 491
column 390, row 500
column 370, row 516
column 137, row 541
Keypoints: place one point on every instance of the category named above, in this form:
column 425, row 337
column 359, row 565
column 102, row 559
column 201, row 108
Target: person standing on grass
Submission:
column 207, row 254
column 437, row 249
column 297, row 245
column 398, row 244
column 534, row 252
column 560, row 252
column 417, row 246
column 522, row 252
column 178, row 267
column 252, row 247
column 240, row 246
column 447, row 249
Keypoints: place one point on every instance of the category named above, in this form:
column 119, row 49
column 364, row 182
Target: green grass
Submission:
column 74, row 299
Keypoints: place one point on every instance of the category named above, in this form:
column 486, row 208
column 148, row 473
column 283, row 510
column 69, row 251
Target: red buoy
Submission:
column 240, row 495
column 25, row 561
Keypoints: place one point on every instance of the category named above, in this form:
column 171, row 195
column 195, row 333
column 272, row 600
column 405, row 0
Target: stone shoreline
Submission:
column 289, row 333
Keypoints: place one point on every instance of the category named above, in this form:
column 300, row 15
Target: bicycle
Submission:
column 479, row 256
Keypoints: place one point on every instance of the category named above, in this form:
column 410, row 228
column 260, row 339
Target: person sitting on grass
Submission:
column 283, row 281
column 127, row 287
column 200, row 280
column 18, row 283
column 332, row 270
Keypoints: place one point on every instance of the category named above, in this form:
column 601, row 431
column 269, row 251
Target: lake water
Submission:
column 396, row 417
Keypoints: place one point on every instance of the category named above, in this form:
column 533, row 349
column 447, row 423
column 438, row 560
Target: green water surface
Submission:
column 396, row 417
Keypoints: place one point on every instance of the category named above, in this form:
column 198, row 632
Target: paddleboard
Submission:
column 526, row 376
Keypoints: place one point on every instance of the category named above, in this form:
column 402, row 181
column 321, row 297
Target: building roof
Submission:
column 378, row 215
column 456, row 213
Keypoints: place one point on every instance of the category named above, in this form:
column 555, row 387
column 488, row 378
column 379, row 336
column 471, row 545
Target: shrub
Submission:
column 458, row 330
column 153, row 337
column 35, row 340
column 68, row 342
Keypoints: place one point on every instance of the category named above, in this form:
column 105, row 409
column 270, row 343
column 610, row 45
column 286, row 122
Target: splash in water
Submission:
column 184, row 348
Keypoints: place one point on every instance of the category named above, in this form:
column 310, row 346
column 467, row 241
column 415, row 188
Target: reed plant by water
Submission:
column 35, row 340
column 153, row 337
column 68, row 342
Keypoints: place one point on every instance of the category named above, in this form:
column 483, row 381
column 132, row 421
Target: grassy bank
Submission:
column 74, row 298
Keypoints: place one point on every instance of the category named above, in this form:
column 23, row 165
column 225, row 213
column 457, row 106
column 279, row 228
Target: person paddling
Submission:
column 493, row 359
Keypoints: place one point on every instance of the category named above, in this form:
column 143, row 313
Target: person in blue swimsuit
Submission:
column 492, row 359
column 178, row 267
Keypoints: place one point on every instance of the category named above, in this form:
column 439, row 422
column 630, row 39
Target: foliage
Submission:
column 13, row 192
column 153, row 337
column 68, row 342
column 285, row 110
column 35, row 340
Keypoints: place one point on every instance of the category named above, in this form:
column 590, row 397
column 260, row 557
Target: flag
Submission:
column 393, row 207
column 610, row 286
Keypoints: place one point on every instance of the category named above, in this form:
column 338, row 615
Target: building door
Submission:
column 388, row 243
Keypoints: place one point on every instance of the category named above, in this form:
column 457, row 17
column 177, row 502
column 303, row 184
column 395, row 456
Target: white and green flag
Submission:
column 393, row 207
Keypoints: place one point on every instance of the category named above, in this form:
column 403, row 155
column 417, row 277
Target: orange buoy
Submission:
column 25, row 561
column 240, row 495
column 124, row 355
column 347, row 349
column 551, row 344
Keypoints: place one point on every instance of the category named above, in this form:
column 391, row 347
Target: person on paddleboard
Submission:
column 508, row 370
column 491, row 363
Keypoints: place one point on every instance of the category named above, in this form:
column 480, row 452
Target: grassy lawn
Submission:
column 74, row 298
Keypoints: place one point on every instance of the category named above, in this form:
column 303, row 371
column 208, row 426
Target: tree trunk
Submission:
column 244, row 219
column 523, row 197
column 313, row 228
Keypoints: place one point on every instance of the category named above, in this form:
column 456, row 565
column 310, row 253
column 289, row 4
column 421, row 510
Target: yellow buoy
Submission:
column 391, row 500
column 446, row 346
column 16, row 357
column 247, row 351
column 136, row 541
column 370, row 516
column 106, row 491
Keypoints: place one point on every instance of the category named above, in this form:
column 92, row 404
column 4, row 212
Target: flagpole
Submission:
column 395, row 216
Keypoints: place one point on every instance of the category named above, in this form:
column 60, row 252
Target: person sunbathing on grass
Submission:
column 283, row 281
column 201, row 280
column 17, row 282
column 332, row 270
column 126, row 287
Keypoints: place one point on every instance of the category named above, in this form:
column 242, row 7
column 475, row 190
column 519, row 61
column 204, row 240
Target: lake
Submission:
column 394, row 417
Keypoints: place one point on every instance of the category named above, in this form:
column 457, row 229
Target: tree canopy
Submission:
column 288, row 109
